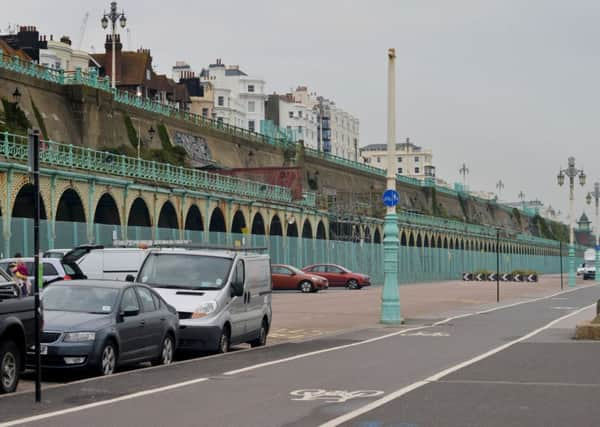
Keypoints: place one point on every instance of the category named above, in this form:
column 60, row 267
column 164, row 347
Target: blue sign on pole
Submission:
column 391, row 198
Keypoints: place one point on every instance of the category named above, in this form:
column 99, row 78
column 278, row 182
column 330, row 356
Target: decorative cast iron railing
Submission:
column 14, row 147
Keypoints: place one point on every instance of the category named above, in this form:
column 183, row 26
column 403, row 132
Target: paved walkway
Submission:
column 298, row 316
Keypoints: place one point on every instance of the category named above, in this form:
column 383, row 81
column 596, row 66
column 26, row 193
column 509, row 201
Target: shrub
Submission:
column 131, row 132
column 40, row 120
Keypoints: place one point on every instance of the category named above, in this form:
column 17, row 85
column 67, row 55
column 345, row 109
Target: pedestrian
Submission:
column 19, row 273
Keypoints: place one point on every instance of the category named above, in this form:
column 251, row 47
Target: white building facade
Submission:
column 410, row 159
column 338, row 131
column 60, row 55
column 299, row 120
column 239, row 99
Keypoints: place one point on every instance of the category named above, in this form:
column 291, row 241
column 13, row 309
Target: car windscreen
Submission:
column 180, row 271
column 81, row 299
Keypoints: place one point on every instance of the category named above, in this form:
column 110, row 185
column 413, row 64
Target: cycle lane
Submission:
column 265, row 395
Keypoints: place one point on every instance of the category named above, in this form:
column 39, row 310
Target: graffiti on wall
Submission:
column 196, row 148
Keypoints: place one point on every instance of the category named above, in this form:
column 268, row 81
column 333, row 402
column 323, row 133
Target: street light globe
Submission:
column 582, row 178
column 123, row 21
column 104, row 22
column 561, row 178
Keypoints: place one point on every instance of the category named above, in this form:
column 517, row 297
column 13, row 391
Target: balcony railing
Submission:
column 14, row 147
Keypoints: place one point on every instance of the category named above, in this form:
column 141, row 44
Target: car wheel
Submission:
column 10, row 366
column 108, row 359
column 353, row 284
column 166, row 353
column 305, row 287
column 261, row 341
column 224, row 341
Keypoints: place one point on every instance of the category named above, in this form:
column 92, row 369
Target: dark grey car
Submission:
column 95, row 324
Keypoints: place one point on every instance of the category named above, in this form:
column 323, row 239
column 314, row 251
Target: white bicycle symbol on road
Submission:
column 333, row 396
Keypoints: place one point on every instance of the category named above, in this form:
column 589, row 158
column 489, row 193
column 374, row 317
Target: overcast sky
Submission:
column 508, row 86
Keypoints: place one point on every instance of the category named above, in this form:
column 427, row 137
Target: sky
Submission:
column 509, row 87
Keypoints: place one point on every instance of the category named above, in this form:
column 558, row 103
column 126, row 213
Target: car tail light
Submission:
column 67, row 277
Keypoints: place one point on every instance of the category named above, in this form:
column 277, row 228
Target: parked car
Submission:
column 289, row 277
column 17, row 332
column 98, row 262
column 100, row 325
column 56, row 253
column 223, row 297
column 339, row 276
column 53, row 269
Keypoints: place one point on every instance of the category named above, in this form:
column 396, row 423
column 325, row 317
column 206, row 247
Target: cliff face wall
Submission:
column 89, row 117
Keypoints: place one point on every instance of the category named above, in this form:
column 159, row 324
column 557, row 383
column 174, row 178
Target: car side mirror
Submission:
column 237, row 288
column 130, row 278
column 130, row 311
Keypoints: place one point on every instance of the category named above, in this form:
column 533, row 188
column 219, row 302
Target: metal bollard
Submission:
column 598, row 308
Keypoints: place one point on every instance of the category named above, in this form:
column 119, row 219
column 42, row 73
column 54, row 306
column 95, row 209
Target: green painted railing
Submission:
column 14, row 147
column 309, row 198
column 343, row 161
column 415, row 264
column 463, row 228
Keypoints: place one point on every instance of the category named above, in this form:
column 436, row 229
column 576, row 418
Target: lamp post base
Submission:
column 390, row 298
column 571, row 265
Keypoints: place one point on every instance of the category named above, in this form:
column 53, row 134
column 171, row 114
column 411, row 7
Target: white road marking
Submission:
column 333, row 396
column 426, row 334
column 393, row 334
column 436, row 377
column 102, row 403
column 287, row 359
column 563, row 308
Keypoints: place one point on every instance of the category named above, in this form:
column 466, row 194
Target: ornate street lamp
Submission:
column 571, row 172
column 464, row 171
column 522, row 198
column 595, row 195
column 151, row 132
column 113, row 16
column 500, row 187
column 16, row 95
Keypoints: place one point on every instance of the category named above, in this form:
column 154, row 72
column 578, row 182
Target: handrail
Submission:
column 14, row 147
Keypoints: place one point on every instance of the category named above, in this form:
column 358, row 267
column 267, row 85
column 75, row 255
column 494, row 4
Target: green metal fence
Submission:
column 416, row 264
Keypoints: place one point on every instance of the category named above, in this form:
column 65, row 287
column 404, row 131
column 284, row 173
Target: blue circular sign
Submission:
column 391, row 198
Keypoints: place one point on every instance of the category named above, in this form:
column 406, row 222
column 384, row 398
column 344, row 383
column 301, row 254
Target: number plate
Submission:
column 43, row 349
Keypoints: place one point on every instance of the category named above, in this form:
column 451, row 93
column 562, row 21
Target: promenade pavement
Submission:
column 298, row 316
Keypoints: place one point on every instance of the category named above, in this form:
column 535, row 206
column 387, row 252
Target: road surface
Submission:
column 503, row 366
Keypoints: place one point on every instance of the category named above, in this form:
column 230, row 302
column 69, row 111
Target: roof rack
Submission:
column 185, row 244
column 214, row 247
column 148, row 243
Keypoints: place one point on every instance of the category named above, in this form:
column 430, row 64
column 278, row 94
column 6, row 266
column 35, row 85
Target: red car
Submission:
column 339, row 276
column 288, row 277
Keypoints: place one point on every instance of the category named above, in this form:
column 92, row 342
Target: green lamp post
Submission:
column 571, row 172
column 390, row 298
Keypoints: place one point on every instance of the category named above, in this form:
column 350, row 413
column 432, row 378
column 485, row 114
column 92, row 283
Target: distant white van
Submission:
column 108, row 263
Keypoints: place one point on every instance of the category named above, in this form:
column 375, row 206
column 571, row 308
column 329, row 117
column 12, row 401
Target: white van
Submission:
column 223, row 297
column 107, row 263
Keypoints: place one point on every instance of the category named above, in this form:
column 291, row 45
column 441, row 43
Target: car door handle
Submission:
column 142, row 322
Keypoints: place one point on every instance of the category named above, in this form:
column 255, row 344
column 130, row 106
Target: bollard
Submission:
column 598, row 308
